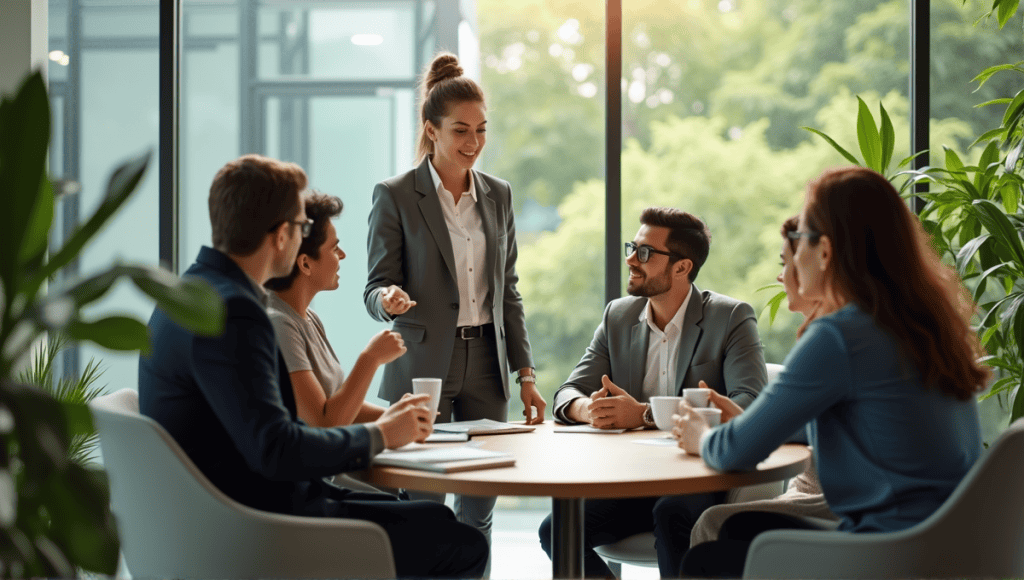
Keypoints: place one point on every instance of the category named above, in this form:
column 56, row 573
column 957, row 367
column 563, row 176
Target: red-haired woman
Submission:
column 885, row 371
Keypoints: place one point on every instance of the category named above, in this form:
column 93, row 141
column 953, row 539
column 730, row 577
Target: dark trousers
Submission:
column 726, row 556
column 426, row 539
column 607, row 521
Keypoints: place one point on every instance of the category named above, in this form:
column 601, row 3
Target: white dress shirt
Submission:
column 662, row 352
column 466, row 229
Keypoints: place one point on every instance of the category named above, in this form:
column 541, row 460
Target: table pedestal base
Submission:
column 567, row 537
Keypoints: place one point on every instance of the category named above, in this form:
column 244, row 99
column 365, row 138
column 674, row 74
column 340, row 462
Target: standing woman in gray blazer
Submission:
column 442, row 256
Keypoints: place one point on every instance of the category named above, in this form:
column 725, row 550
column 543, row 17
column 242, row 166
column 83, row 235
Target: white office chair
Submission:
column 638, row 549
column 173, row 523
column 977, row 533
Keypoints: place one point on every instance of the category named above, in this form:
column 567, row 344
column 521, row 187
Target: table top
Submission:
column 590, row 465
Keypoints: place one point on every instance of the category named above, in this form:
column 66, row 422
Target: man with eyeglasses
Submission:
column 228, row 400
column 666, row 336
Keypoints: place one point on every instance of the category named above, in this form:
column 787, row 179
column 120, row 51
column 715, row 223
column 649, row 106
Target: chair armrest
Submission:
column 822, row 554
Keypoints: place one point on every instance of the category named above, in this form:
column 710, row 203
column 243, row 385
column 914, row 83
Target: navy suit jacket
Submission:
column 228, row 402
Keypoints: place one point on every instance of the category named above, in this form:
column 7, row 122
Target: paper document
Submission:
column 482, row 427
column 444, row 459
column 666, row 441
column 585, row 429
column 441, row 437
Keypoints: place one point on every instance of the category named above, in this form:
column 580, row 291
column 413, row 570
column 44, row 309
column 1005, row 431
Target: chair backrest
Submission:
column 979, row 530
column 174, row 523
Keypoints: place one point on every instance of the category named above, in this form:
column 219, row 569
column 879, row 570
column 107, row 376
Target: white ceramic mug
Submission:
column 712, row 415
column 663, row 408
column 697, row 397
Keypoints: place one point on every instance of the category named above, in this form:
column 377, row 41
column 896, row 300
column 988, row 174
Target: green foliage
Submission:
column 79, row 390
column 876, row 141
column 56, row 514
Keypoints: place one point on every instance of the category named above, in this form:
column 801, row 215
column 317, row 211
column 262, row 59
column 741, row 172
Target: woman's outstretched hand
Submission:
column 395, row 300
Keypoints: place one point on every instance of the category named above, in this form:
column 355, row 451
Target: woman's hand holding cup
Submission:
column 729, row 408
column 691, row 423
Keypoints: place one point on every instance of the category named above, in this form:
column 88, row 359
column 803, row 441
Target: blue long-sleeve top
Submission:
column 889, row 451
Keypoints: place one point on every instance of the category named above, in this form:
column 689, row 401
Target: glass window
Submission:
column 108, row 113
column 715, row 95
column 351, row 40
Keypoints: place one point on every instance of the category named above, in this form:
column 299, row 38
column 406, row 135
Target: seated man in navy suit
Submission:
column 228, row 401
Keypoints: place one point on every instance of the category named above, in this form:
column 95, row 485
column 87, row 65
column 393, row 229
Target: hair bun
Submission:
column 444, row 66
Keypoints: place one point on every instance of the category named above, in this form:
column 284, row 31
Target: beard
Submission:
column 648, row 286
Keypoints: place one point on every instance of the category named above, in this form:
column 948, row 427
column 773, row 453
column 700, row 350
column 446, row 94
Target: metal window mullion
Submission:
column 920, row 78
column 613, row 149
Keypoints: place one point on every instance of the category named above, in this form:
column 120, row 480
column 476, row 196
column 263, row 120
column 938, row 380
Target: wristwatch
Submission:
column 648, row 415
column 526, row 379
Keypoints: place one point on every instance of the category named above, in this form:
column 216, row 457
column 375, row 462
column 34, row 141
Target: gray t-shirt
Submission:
column 304, row 344
column 304, row 347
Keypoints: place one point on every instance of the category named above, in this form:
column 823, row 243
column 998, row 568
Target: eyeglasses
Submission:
column 795, row 235
column 643, row 252
column 306, row 224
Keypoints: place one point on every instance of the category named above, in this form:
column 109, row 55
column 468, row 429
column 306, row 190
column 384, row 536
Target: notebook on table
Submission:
column 482, row 427
column 444, row 459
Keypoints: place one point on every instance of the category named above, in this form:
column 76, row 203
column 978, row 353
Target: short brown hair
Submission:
column 443, row 85
column 688, row 236
column 321, row 209
column 249, row 197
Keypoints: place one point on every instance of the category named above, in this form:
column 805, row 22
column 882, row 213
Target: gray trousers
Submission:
column 472, row 390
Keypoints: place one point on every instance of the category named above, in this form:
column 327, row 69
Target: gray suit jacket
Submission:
column 409, row 245
column 719, row 345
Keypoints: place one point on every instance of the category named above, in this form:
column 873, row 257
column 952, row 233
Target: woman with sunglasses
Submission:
column 803, row 496
column 885, row 371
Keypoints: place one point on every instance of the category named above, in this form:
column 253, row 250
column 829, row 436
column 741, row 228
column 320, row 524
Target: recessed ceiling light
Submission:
column 367, row 39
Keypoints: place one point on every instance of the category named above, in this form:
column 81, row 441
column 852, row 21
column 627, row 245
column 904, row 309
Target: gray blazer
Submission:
column 719, row 345
column 409, row 245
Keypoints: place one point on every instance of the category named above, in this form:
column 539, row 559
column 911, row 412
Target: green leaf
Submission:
column 1017, row 410
column 989, row 135
column 953, row 164
column 998, row 387
column 986, row 74
column 999, row 101
column 834, row 145
column 26, row 133
column 190, row 302
column 1010, row 193
column 1006, row 11
column 773, row 303
column 79, row 419
column 996, row 222
column 92, row 288
column 82, row 522
column 114, row 333
column 37, row 234
column 888, row 138
column 867, row 136
column 967, row 251
column 121, row 186
column 908, row 159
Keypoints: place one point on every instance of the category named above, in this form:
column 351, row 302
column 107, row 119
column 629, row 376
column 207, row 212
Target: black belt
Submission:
column 471, row 332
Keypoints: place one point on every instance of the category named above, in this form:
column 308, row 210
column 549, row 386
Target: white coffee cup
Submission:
column 430, row 387
column 663, row 408
column 711, row 414
column 697, row 397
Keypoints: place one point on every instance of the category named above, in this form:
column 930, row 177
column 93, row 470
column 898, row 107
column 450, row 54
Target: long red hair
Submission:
column 883, row 262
